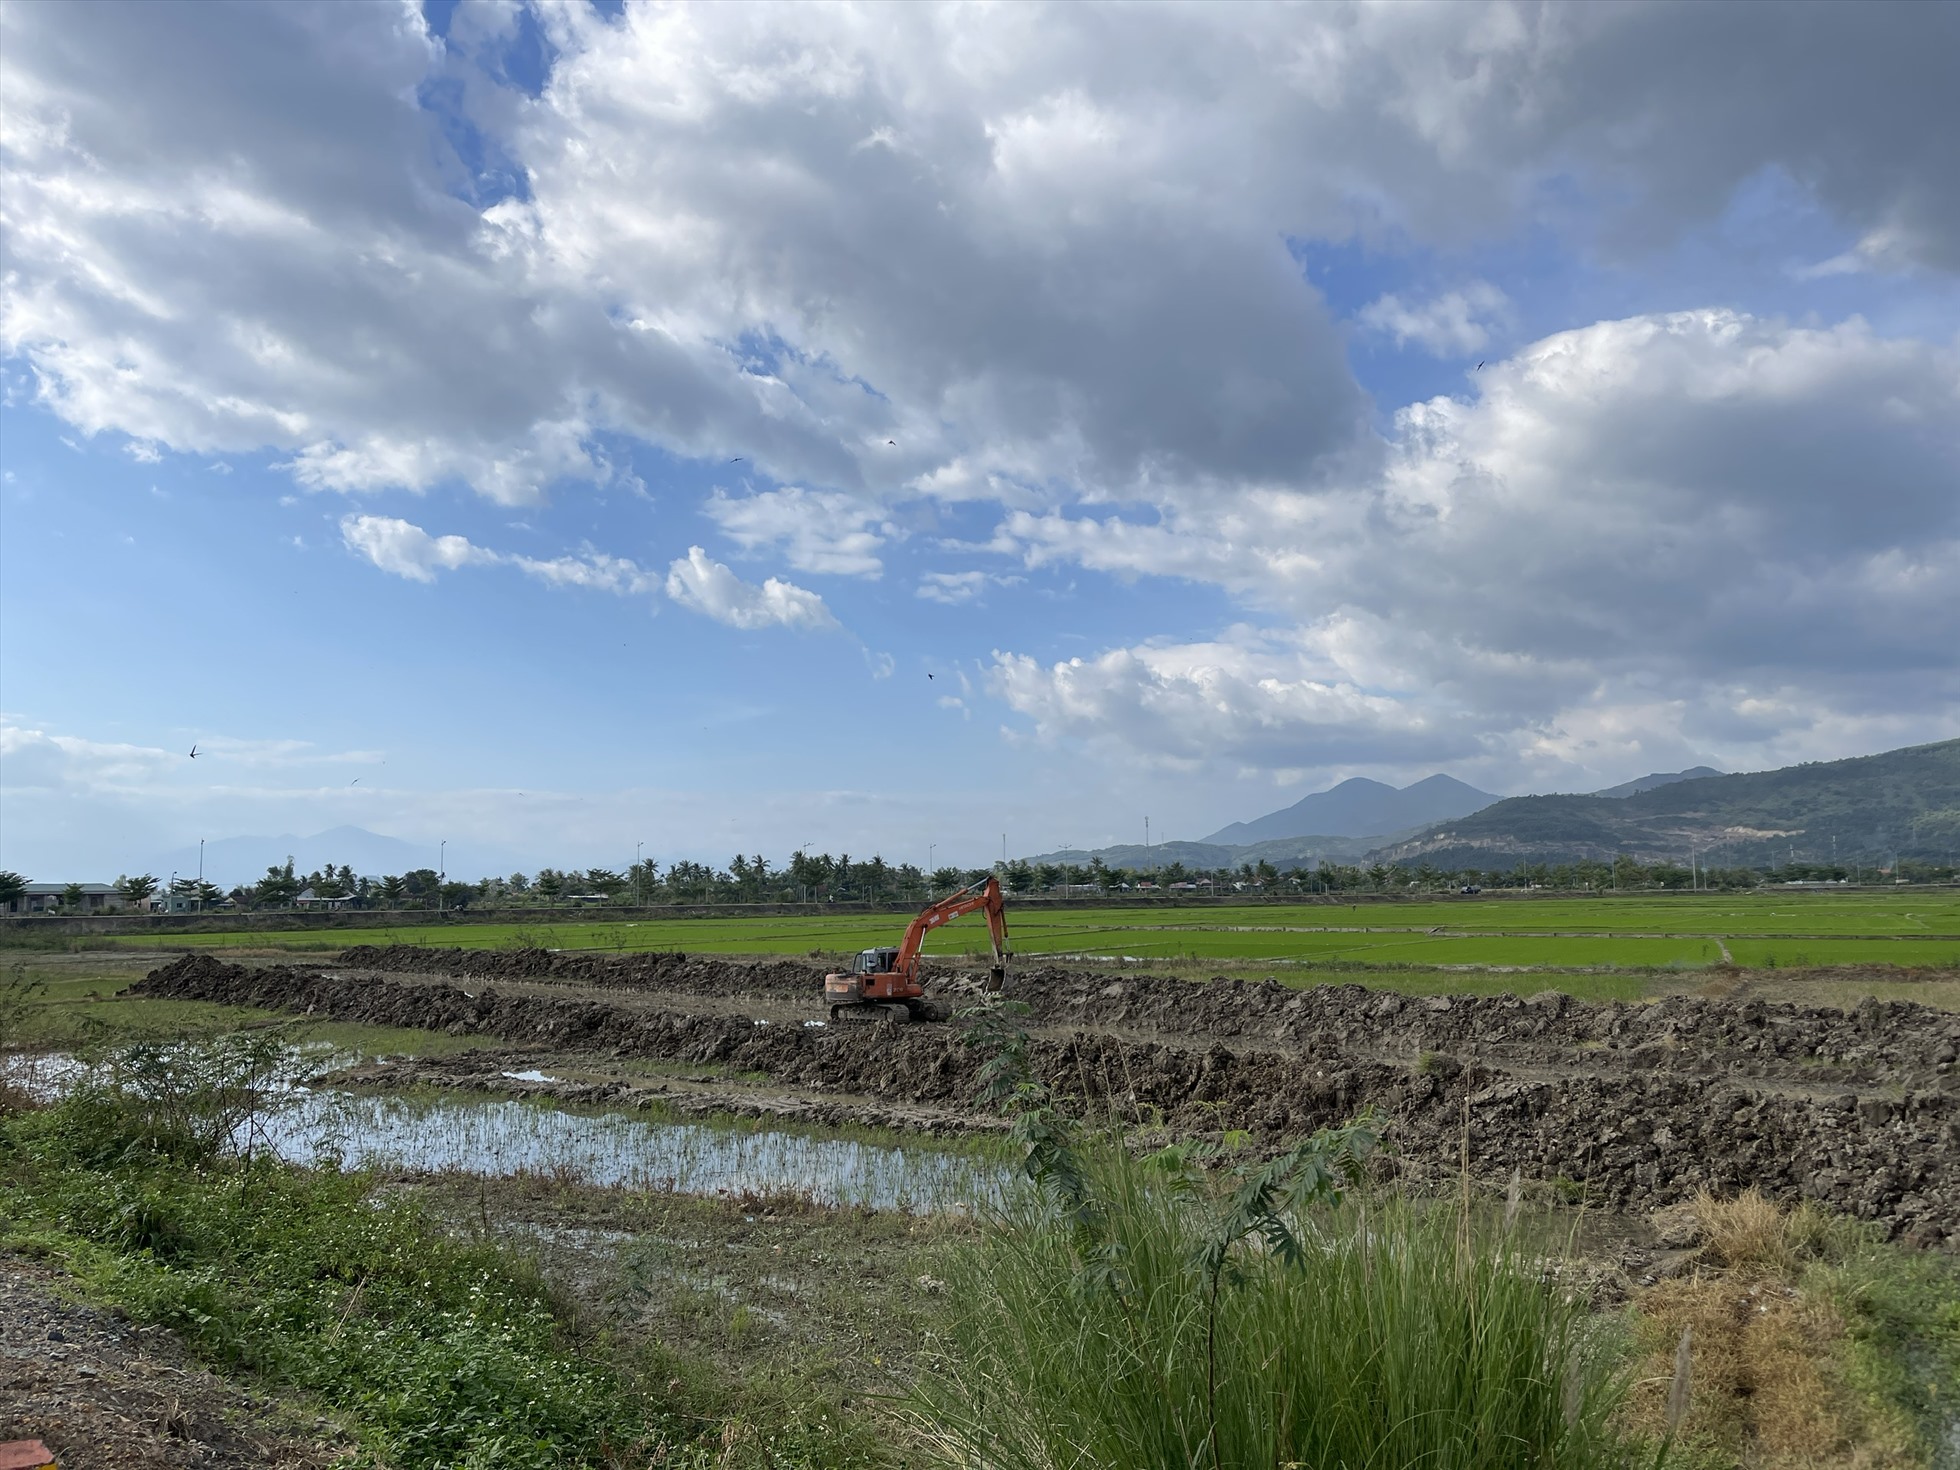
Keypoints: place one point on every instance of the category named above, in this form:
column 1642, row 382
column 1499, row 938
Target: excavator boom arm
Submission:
column 984, row 895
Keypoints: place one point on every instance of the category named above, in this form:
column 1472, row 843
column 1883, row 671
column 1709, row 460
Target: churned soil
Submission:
column 1633, row 1106
column 103, row 1394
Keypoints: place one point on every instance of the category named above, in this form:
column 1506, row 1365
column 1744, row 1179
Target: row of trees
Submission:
column 821, row 878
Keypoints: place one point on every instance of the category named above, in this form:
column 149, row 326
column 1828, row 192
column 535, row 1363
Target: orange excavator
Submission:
column 883, row 984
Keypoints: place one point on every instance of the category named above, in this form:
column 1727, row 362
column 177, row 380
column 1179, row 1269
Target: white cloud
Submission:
column 1260, row 701
column 1452, row 324
column 952, row 588
column 38, row 760
column 406, row 550
column 267, row 244
column 703, row 585
column 1737, row 530
column 826, row 532
column 409, row 551
column 1034, row 256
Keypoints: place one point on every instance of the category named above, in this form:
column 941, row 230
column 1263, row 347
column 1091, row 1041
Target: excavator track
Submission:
column 870, row 1013
column 889, row 1013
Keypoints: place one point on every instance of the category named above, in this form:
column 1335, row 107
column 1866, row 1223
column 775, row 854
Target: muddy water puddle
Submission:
column 502, row 1139
column 499, row 1139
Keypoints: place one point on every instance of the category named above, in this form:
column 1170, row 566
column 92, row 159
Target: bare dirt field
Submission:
column 1630, row 1107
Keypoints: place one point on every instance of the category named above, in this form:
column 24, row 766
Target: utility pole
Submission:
column 200, row 875
column 442, row 870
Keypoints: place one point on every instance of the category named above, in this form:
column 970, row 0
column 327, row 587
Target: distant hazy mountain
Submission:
column 1868, row 809
column 233, row 860
column 1658, row 778
column 1360, row 808
column 1282, row 853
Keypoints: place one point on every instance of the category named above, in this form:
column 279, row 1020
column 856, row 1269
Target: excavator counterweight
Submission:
column 883, row 984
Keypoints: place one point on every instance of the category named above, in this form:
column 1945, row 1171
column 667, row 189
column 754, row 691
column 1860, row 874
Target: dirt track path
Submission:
column 106, row 1395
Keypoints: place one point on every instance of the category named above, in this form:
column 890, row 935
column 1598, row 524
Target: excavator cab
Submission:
column 875, row 962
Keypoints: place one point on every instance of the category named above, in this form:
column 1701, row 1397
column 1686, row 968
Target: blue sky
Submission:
column 373, row 376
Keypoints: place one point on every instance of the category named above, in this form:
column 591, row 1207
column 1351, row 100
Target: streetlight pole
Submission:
column 931, row 848
column 442, row 870
column 200, row 875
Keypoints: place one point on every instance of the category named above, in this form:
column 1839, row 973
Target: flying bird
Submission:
column 1480, row 367
column 892, row 442
column 355, row 782
column 193, row 752
column 928, row 676
column 736, row 460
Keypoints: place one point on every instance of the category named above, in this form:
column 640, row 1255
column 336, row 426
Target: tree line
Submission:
column 822, row 878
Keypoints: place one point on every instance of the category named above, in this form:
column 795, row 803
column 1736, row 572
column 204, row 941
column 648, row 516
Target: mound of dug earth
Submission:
column 1880, row 1041
column 1634, row 1139
column 1892, row 1041
column 700, row 973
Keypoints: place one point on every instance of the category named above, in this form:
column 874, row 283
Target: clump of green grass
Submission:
column 1141, row 1329
column 1124, row 1312
column 442, row 1352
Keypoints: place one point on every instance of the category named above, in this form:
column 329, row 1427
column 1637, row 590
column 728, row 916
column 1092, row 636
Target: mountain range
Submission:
column 1872, row 808
column 1359, row 807
column 1903, row 803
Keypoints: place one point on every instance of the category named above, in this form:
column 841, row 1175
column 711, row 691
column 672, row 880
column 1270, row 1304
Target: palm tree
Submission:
column 137, row 890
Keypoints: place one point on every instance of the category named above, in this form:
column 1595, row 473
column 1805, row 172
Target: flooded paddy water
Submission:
column 504, row 1139
column 508, row 1138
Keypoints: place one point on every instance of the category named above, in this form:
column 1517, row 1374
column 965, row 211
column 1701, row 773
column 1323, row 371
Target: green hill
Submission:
column 1904, row 803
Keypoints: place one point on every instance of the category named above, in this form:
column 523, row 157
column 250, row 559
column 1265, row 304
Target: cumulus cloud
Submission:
column 1739, row 529
column 1451, row 324
column 407, row 550
column 802, row 233
column 695, row 581
column 1048, row 257
column 702, row 584
column 1248, row 699
column 816, row 531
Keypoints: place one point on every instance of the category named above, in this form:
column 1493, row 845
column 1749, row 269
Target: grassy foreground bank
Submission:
column 432, row 1349
column 1188, row 1309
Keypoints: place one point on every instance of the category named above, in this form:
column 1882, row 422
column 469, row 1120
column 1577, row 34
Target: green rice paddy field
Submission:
column 1648, row 932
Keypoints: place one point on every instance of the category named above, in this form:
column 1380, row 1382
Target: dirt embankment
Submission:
column 1891, row 1042
column 1642, row 1105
